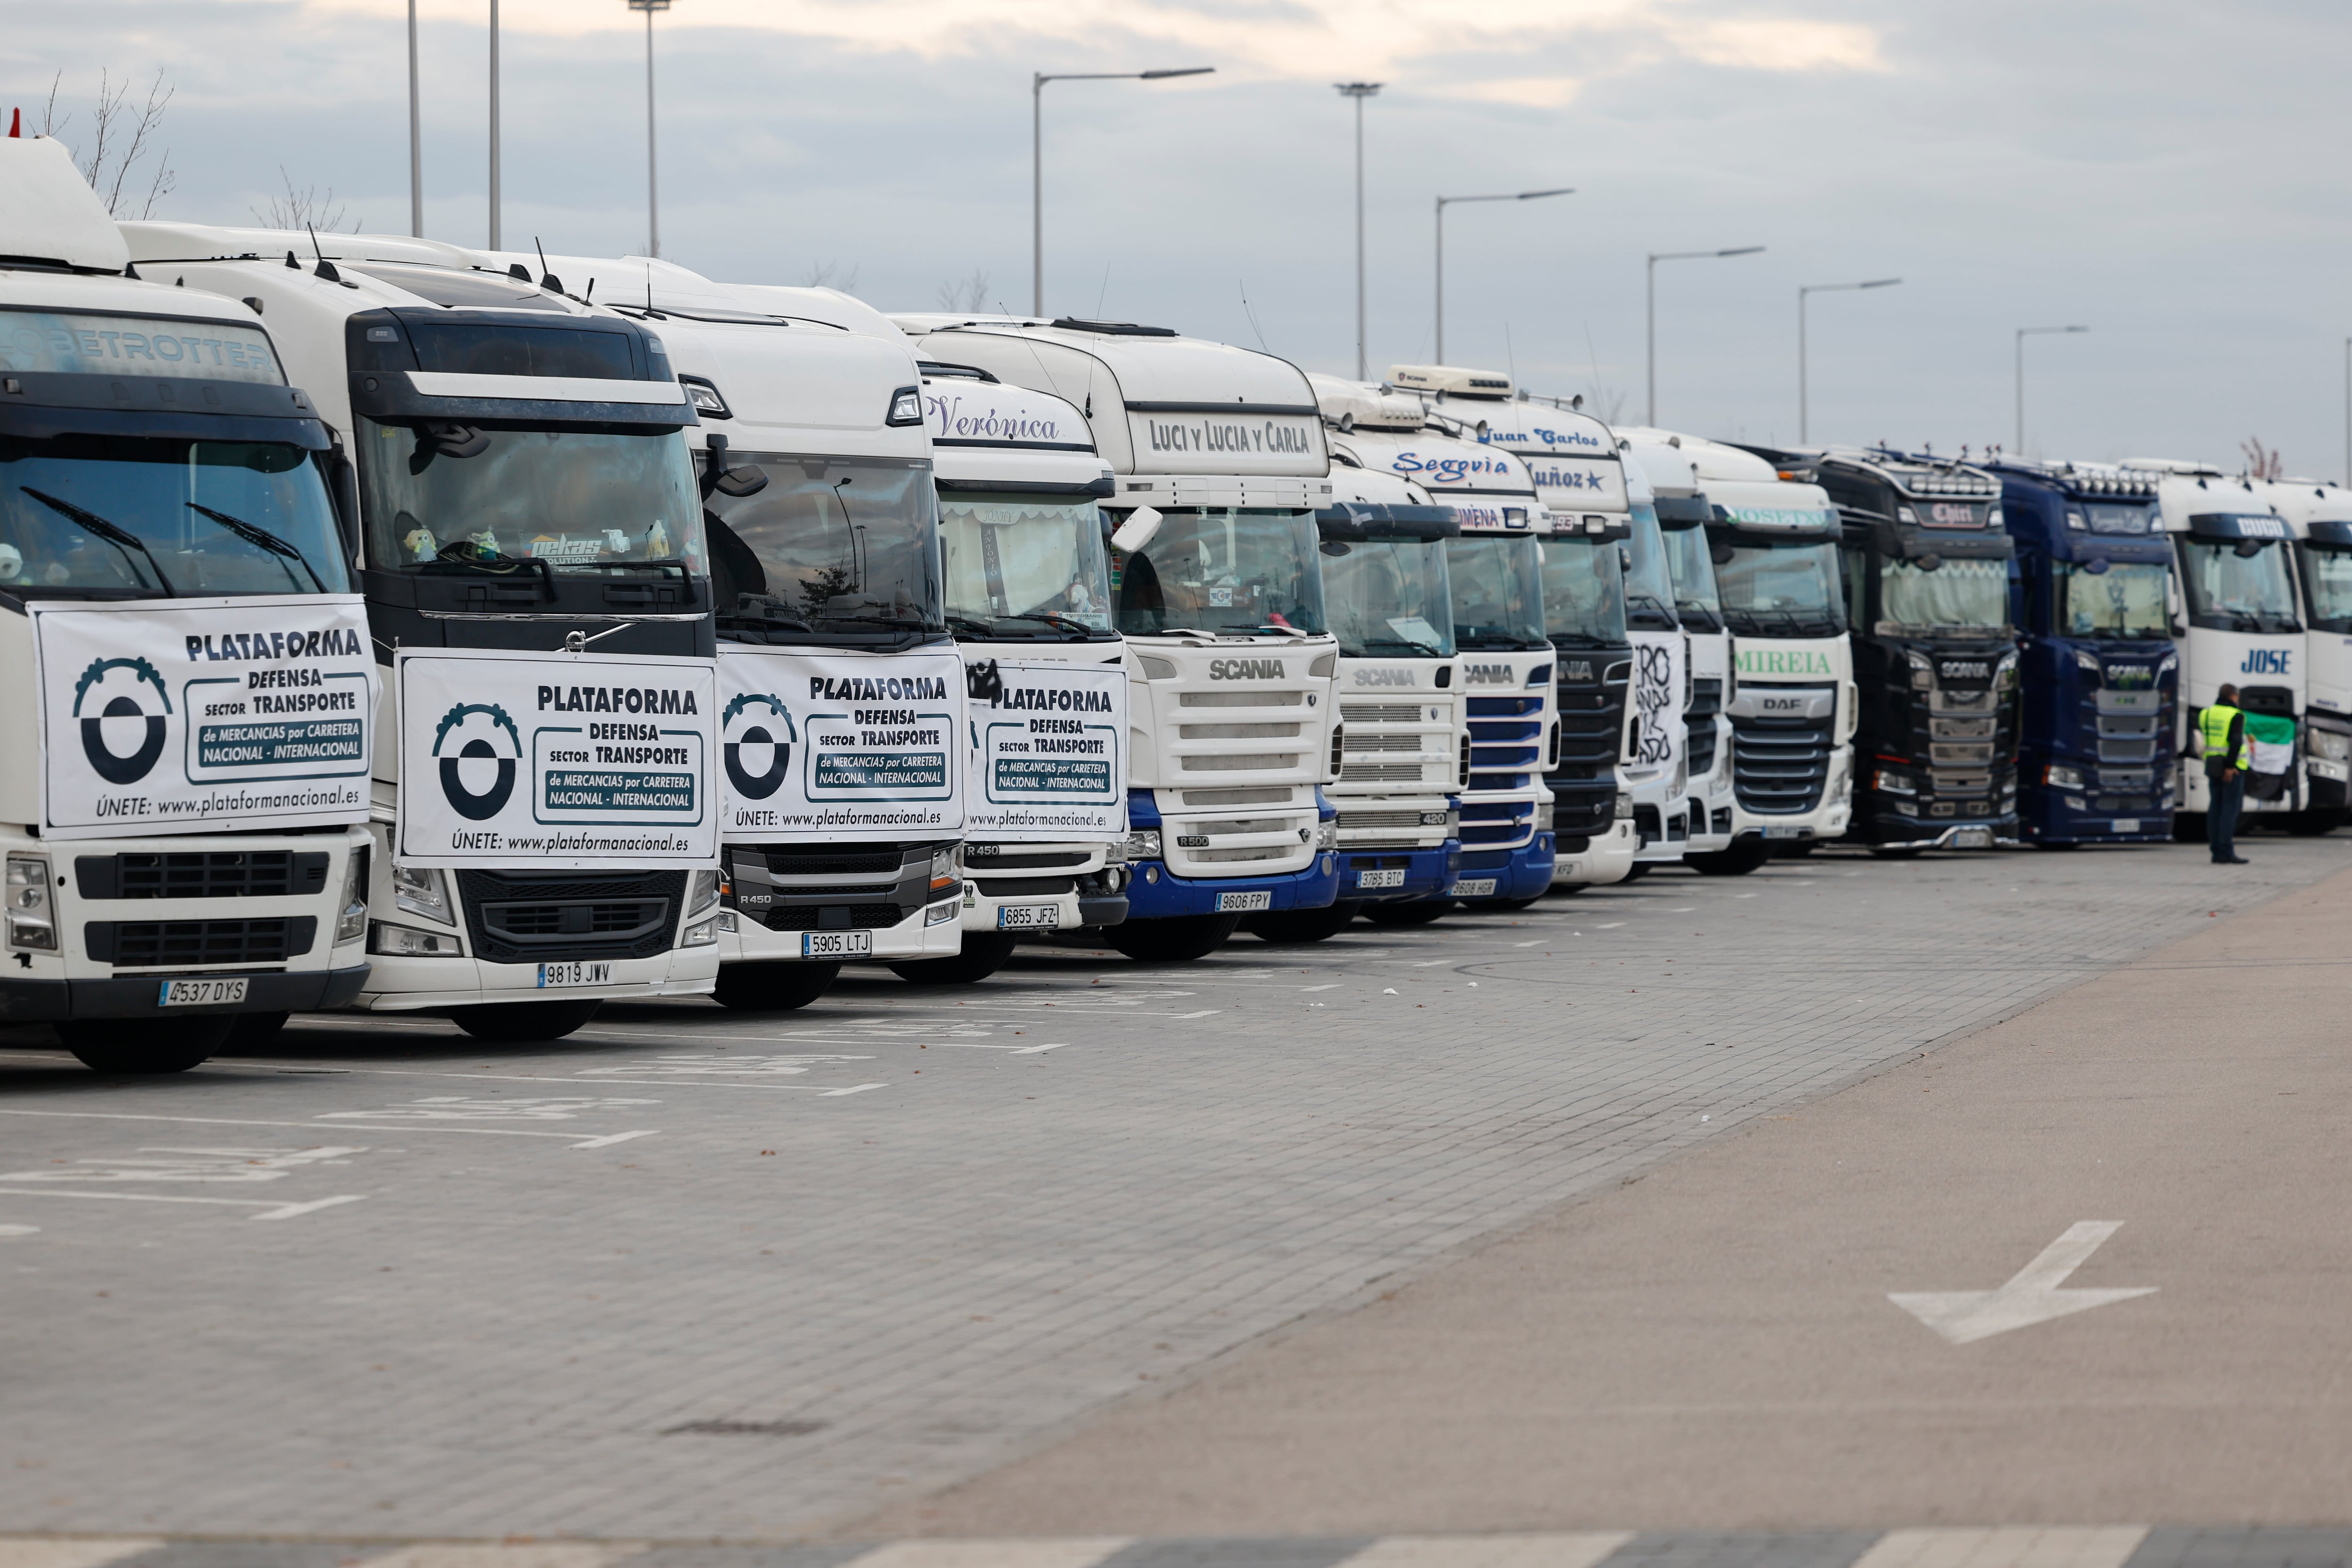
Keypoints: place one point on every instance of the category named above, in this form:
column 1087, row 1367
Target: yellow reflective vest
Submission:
column 2213, row 728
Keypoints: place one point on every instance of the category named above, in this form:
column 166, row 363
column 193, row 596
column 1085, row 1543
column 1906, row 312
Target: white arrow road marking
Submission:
column 2032, row 1296
column 2008, row 1546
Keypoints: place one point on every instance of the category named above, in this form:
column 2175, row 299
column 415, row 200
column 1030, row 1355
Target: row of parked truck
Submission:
column 405, row 626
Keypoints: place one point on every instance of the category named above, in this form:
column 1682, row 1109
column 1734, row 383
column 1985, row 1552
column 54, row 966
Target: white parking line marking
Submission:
column 612, row 1137
column 1536, row 943
column 14, row 1230
column 1580, row 1550
column 1008, row 1050
column 1334, row 985
column 1184, row 1017
column 87, row 1553
column 508, row 1554
column 275, row 1211
column 318, row 1126
column 1073, row 1551
column 2023, row 1546
column 1609, row 925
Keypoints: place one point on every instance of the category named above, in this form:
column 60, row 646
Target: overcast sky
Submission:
column 2163, row 172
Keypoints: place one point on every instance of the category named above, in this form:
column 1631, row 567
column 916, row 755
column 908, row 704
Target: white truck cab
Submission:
column 1218, row 458
column 184, row 778
column 1680, row 505
column 2320, row 515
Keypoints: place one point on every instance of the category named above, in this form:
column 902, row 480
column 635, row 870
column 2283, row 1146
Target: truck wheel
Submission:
column 1508, row 906
column 772, row 987
column 252, row 1031
column 145, row 1045
column 1566, row 890
column 2314, row 824
column 1420, row 912
column 520, row 1022
column 1744, row 855
column 1639, row 869
column 1285, row 926
column 984, row 954
column 1895, row 851
column 2189, row 827
column 1178, row 940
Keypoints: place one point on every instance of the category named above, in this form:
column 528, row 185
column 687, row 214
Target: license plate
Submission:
column 1788, row 833
column 1972, row 838
column 579, row 972
column 202, row 993
column 1391, row 879
column 837, row 943
column 1475, row 888
column 2126, row 825
column 1242, row 903
column 1028, row 917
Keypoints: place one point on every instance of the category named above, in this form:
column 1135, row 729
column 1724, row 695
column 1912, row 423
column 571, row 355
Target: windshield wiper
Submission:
column 873, row 620
column 1076, row 630
column 1284, row 631
column 122, row 539
column 262, row 539
column 1423, row 649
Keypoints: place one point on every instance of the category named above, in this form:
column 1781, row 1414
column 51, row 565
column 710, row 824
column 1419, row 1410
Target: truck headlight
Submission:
column 941, row 913
column 2004, row 675
column 351, row 923
column 701, row 935
column 1894, row 781
column 702, row 895
column 418, row 890
column 2329, row 744
column 947, row 868
column 390, row 941
column 32, row 918
column 1923, row 674
column 1625, row 808
column 2058, row 776
column 2085, row 660
column 1327, row 835
column 1143, row 844
column 1543, row 816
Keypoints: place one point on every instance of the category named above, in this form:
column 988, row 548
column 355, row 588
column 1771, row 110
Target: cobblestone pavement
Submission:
column 690, row 1275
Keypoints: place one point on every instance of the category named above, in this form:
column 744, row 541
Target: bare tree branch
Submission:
column 308, row 208
column 822, row 275
column 106, row 162
column 967, row 294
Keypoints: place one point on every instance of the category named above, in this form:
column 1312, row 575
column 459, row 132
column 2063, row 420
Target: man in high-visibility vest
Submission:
column 2221, row 726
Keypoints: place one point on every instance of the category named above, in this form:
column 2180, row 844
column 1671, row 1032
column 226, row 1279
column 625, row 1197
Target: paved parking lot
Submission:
column 694, row 1275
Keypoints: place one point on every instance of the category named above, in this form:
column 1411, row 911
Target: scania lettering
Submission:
column 1927, row 567
column 1405, row 753
column 2098, row 677
column 192, row 708
column 1029, row 601
column 1774, row 543
column 528, row 516
column 2241, row 625
column 1214, row 567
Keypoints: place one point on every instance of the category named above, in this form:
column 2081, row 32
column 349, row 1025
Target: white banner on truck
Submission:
column 204, row 715
column 852, row 746
column 567, row 761
column 1048, row 752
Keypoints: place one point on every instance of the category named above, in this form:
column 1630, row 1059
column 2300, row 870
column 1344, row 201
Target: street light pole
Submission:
column 1441, row 203
column 1803, row 404
column 1037, row 81
column 652, row 183
column 415, row 136
column 2348, row 411
column 494, row 126
column 1649, row 308
column 2023, row 333
column 1359, row 91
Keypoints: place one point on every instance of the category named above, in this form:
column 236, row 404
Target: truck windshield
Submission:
column 1583, row 592
column 2327, row 578
column 126, row 516
column 2123, row 601
column 1497, row 592
column 1650, row 585
column 1781, row 590
column 1957, row 596
column 838, row 550
column 580, row 501
column 1221, row 568
column 1387, row 598
column 1024, row 567
column 2230, row 592
column 1696, row 598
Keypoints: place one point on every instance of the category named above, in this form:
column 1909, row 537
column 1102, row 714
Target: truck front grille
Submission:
column 186, row 945
column 517, row 917
column 1497, row 824
column 212, row 874
column 1780, row 766
column 1380, row 713
column 845, row 917
column 791, row 861
column 1505, row 742
column 1239, row 762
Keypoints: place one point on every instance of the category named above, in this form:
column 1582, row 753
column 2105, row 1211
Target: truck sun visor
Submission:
column 2237, row 525
column 1368, row 519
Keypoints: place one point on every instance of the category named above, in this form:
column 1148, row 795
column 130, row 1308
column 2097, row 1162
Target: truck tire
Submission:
column 2314, row 824
column 1178, row 940
column 984, row 954
column 1637, row 871
column 772, row 987
column 2189, row 827
column 1420, row 912
column 1744, row 855
column 1287, row 926
column 1566, row 890
column 145, row 1045
column 1509, row 906
column 253, row 1031
column 522, row 1022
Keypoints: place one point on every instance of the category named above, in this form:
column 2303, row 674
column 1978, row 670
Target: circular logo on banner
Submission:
column 124, row 735
column 479, row 749
column 756, row 759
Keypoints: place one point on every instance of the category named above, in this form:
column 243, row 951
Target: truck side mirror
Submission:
column 741, row 483
column 1138, row 530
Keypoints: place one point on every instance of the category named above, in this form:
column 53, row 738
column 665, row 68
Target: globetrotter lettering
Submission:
column 867, row 689
column 614, row 700
column 327, row 643
column 1041, row 700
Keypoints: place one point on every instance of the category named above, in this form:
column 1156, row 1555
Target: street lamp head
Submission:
column 1741, row 250
column 1881, row 283
column 648, row 6
column 1164, row 75
column 1357, row 88
column 1531, row 195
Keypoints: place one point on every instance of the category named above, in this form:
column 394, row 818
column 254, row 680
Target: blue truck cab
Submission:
column 2090, row 591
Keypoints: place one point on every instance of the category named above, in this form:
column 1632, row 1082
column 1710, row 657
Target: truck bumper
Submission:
column 406, row 984
column 1522, row 873
column 53, row 1001
column 2044, row 818
column 1595, row 862
column 1892, row 832
column 1393, row 876
column 933, row 931
column 1156, row 893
